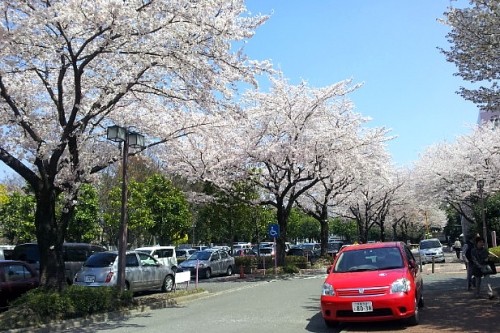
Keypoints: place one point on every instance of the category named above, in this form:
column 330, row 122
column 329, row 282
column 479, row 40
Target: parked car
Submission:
column 74, row 255
column 311, row 247
column 240, row 245
column 200, row 247
column 244, row 253
column 164, row 254
column 184, row 253
column 208, row 262
column 6, row 252
column 266, row 251
column 222, row 247
column 431, row 249
column 334, row 247
column 142, row 272
column 311, row 256
column 373, row 282
column 16, row 278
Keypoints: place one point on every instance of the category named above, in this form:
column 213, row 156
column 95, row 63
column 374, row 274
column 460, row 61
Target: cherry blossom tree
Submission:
column 366, row 152
column 411, row 213
column 283, row 142
column 447, row 173
column 475, row 50
column 71, row 68
column 372, row 197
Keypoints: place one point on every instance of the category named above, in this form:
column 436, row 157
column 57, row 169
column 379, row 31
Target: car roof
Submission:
column 2, row 261
column 155, row 247
column 371, row 246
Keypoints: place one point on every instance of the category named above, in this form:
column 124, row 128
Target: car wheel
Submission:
column 413, row 320
column 331, row 323
column 229, row 271
column 208, row 273
column 421, row 301
column 168, row 284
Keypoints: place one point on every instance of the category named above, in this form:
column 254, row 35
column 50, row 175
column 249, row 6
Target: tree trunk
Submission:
column 324, row 236
column 50, row 238
column 282, row 217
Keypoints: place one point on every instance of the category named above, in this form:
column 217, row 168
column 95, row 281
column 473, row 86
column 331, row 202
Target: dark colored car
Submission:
column 74, row 255
column 16, row 278
column 334, row 247
column 311, row 256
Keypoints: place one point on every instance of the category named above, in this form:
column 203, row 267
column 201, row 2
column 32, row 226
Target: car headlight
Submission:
column 401, row 286
column 327, row 290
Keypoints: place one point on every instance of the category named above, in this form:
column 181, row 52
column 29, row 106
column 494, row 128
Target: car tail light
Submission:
column 109, row 277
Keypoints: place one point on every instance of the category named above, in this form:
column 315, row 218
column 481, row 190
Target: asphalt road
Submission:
column 292, row 305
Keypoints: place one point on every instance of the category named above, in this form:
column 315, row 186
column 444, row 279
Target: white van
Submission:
column 164, row 254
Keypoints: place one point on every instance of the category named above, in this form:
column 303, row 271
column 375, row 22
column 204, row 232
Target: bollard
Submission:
column 242, row 272
column 433, row 264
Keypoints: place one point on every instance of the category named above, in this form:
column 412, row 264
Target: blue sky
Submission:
column 388, row 45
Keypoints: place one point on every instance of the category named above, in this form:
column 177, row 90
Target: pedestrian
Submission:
column 479, row 257
column 457, row 246
column 466, row 257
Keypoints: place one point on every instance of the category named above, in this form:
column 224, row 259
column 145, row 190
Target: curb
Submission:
column 103, row 317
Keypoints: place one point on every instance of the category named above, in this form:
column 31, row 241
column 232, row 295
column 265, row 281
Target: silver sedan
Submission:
column 142, row 272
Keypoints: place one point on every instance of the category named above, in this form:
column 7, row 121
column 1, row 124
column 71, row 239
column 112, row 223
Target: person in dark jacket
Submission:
column 466, row 257
column 479, row 256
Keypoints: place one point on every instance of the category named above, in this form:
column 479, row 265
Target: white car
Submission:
column 431, row 250
column 164, row 254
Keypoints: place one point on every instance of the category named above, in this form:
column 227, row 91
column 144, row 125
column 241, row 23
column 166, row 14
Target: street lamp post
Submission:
column 133, row 140
column 480, row 186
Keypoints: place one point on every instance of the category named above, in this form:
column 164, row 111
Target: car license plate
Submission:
column 362, row 307
column 89, row 278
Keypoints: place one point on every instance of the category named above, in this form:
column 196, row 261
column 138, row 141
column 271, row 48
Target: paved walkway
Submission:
column 449, row 307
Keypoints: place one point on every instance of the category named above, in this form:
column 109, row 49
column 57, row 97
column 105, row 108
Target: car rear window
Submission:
column 101, row 260
column 200, row 255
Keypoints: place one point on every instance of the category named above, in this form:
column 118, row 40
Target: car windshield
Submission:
column 200, row 255
column 369, row 260
column 431, row 244
column 101, row 260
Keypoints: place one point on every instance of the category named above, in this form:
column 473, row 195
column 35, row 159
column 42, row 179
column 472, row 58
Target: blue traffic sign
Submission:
column 274, row 231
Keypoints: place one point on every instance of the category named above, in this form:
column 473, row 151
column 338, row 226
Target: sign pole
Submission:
column 275, row 257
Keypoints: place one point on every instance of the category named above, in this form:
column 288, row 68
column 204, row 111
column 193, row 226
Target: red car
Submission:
column 16, row 278
column 373, row 282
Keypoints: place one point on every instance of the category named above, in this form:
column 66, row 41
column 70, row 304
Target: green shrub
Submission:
column 74, row 301
column 290, row 269
column 46, row 304
column 297, row 261
column 496, row 251
column 245, row 261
